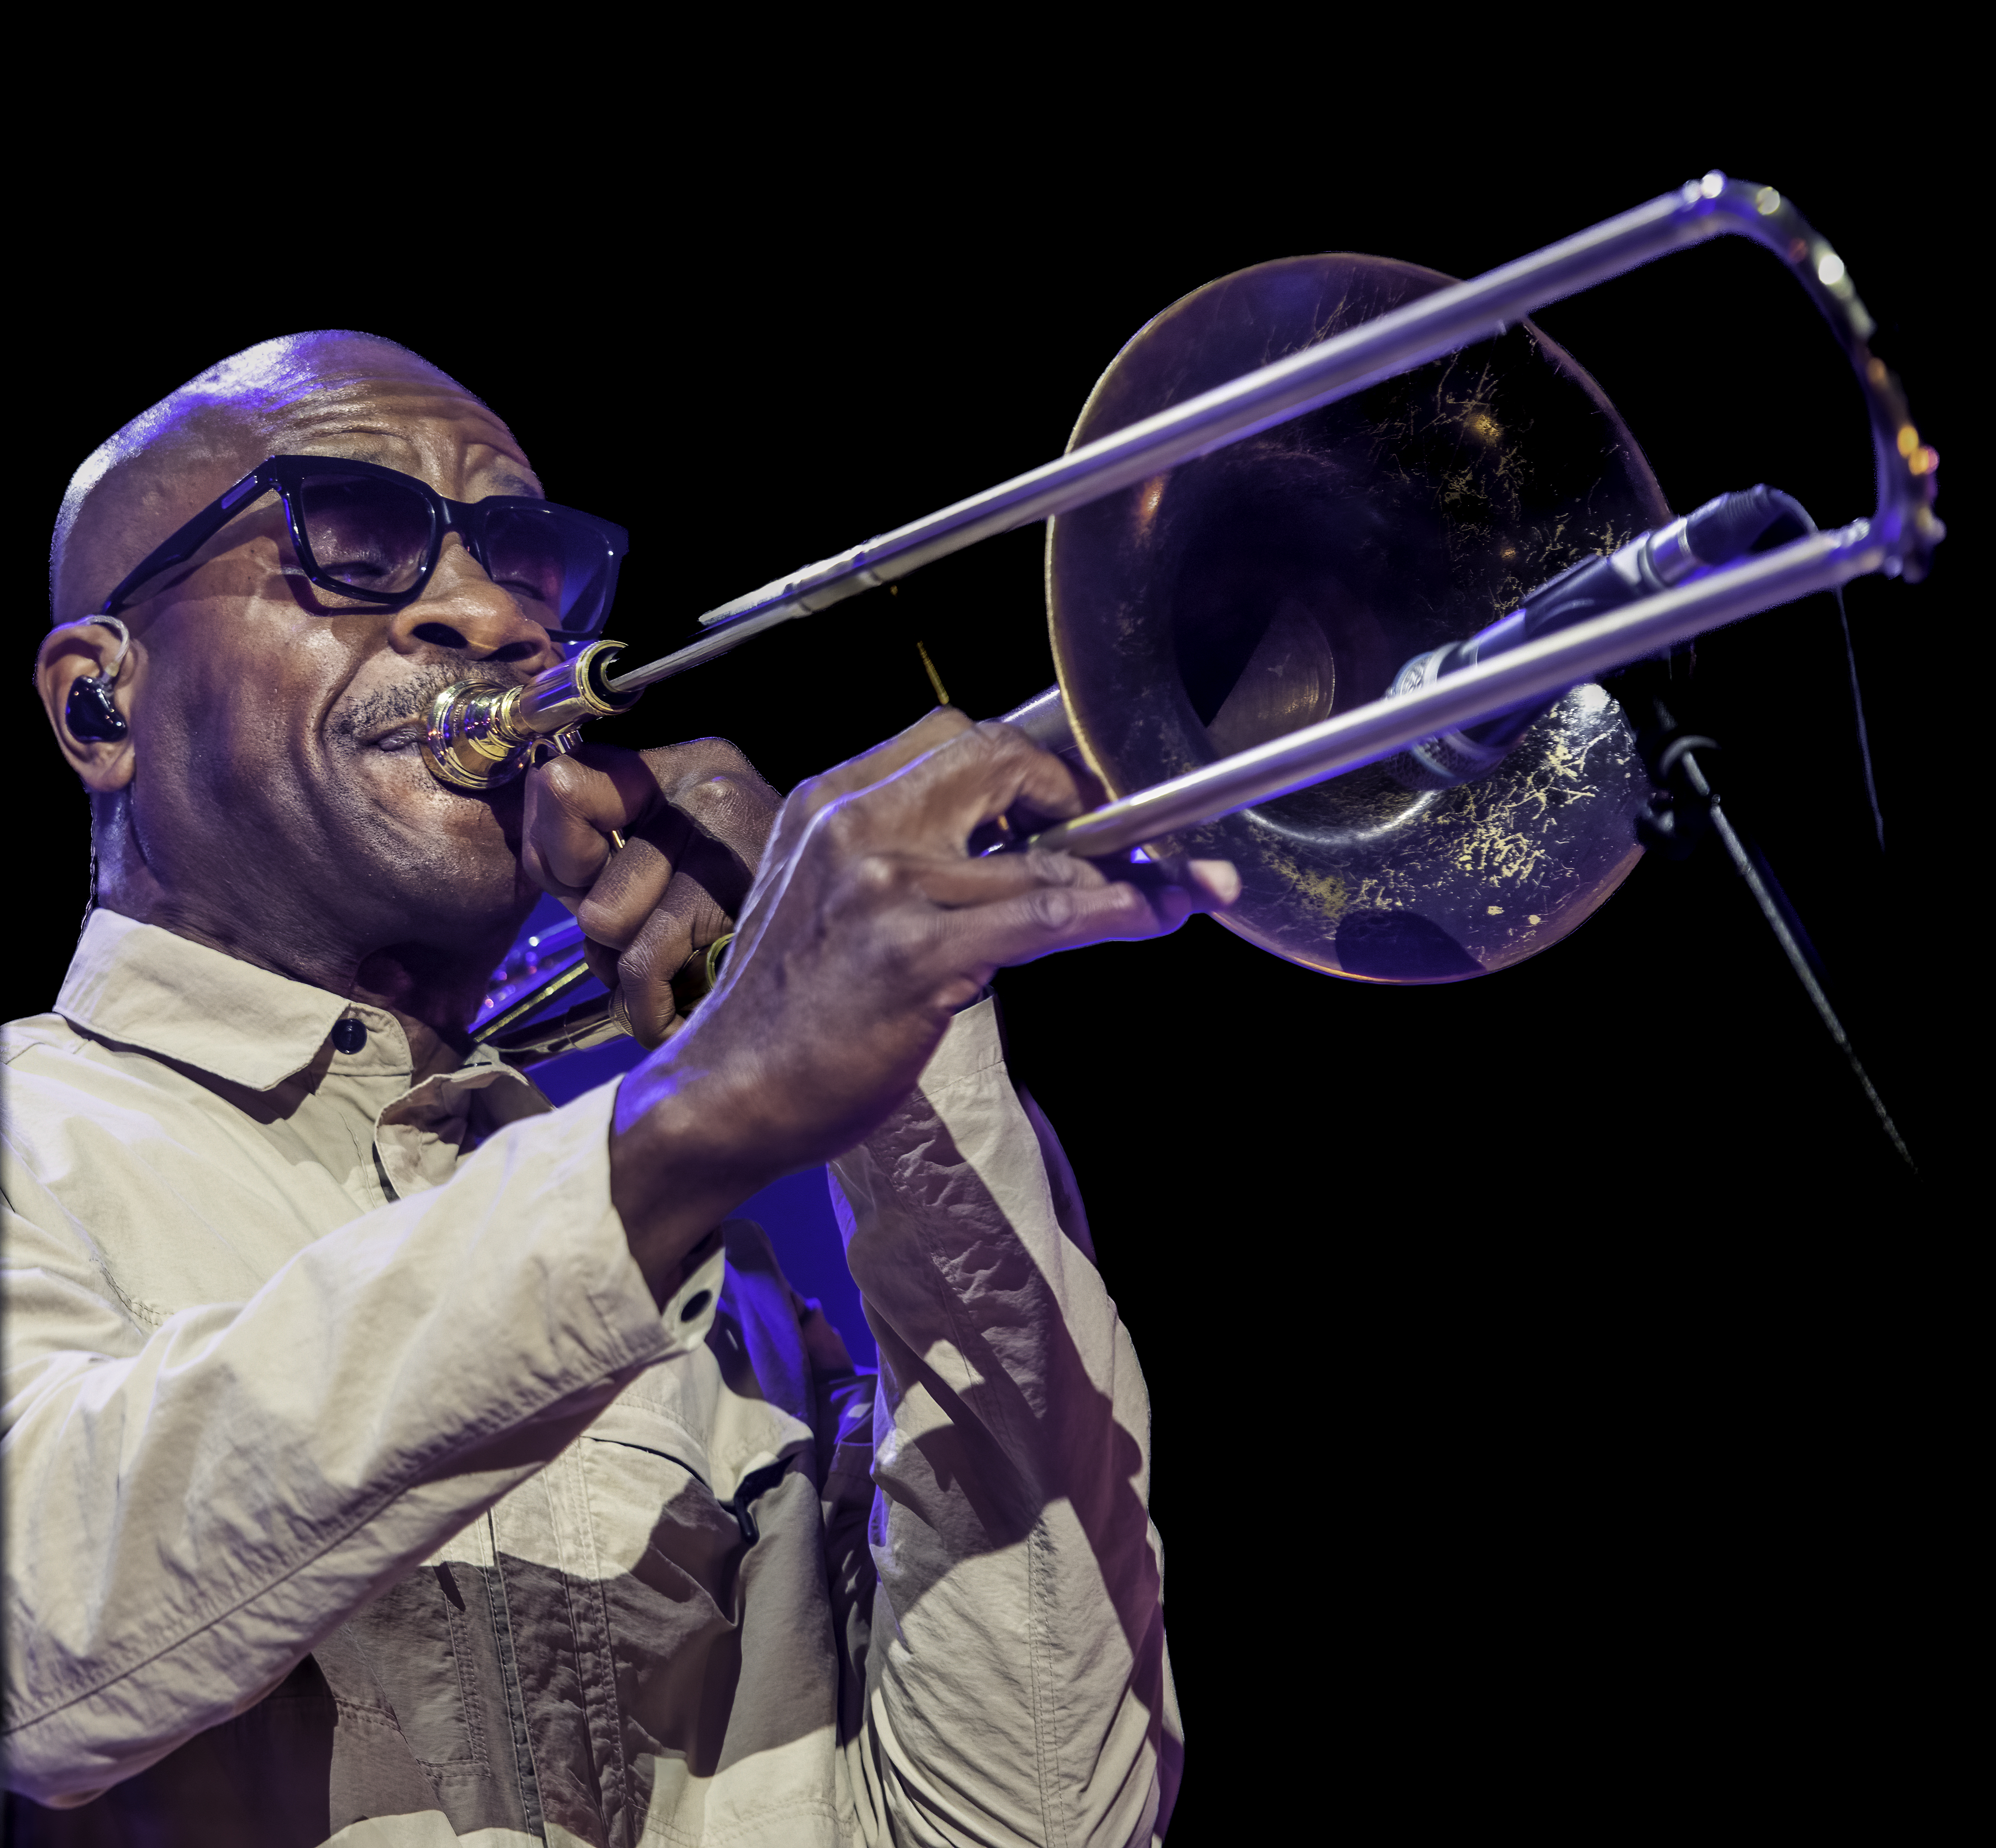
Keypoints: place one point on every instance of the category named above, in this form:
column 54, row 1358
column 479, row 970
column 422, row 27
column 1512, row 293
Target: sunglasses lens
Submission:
column 366, row 533
column 558, row 565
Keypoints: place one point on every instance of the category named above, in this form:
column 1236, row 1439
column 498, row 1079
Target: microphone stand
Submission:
column 1685, row 809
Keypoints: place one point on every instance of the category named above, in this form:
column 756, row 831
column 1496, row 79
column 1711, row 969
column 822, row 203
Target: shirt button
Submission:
column 349, row 1035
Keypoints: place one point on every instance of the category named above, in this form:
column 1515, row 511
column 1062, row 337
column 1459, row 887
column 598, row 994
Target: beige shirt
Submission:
column 352, row 1473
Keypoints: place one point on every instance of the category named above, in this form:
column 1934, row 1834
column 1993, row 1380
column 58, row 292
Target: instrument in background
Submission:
column 523, row 988
column 1239, row 562
column 515, row 1019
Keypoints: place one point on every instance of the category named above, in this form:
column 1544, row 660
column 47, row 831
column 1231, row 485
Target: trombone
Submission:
column 479, row 737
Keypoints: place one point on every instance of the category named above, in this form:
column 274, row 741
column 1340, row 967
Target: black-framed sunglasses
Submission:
column 375, row 534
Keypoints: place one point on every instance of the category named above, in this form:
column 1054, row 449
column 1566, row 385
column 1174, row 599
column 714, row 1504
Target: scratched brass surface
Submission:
column 1289, row 576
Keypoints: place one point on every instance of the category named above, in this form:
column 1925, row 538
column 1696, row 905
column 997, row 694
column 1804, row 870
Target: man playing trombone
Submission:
column 391, row 1459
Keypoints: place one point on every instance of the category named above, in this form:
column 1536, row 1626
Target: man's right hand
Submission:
column 868, row 925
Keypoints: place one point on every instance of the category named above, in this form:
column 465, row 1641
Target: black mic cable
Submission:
column 1717, row 533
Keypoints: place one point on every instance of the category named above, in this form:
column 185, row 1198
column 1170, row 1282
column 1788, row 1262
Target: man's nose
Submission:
column 464, row 611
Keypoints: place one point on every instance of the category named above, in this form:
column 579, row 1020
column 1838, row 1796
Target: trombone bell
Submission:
column 1288, row 577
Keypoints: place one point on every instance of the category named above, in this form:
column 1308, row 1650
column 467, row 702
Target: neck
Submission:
column 435, row 997
column 433, row 993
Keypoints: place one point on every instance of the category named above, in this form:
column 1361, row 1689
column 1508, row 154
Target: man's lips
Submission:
column 396, row 718
column 393, row 738
column 395, row 734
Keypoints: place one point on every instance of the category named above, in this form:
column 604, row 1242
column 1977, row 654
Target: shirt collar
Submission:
column 142, row 986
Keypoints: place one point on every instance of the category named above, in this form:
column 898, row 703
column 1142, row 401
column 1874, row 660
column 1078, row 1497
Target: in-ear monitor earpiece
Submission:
column 90, row 712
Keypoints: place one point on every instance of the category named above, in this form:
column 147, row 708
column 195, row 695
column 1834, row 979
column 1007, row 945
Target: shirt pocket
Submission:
column 416, row 1661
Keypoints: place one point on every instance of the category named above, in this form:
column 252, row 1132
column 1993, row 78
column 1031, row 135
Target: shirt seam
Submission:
column 757, row 1818
column 930, row 1088
column 371, row 1511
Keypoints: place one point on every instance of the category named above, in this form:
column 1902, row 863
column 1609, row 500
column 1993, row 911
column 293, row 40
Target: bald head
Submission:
column 139, row 485
column 267, row 796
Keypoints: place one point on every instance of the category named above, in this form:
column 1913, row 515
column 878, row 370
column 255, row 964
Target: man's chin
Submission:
column 412, row 801
column 470, row 883
column 452, row 857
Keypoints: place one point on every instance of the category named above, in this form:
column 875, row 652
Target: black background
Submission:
column 1541, row 1366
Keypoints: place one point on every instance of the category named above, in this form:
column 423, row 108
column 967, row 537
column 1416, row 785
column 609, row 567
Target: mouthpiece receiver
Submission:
column 480, row 736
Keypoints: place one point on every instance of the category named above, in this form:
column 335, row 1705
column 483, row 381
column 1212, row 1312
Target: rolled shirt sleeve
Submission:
column 1015, row 1686
column 191, row 1507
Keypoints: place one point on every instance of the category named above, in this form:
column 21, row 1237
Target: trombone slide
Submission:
column 1409, row 337
column 1537, row 670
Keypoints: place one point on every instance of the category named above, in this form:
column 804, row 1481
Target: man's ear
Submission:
column 82, row 715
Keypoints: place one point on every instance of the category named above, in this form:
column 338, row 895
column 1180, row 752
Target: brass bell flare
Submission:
column 1291, row 575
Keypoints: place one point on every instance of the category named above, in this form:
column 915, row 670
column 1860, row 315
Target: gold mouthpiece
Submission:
column 481, row 736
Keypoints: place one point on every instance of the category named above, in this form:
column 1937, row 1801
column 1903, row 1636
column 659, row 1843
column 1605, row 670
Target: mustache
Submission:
column 410, row 698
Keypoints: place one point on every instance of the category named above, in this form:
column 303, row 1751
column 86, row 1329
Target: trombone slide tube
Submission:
column 1043, row 719
column 1410, row 336
column 1539, row 670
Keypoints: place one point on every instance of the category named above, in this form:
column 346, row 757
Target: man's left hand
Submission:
column 695, row 818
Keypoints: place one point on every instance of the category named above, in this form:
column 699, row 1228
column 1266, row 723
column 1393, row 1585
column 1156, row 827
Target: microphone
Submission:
column 1717, row 533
